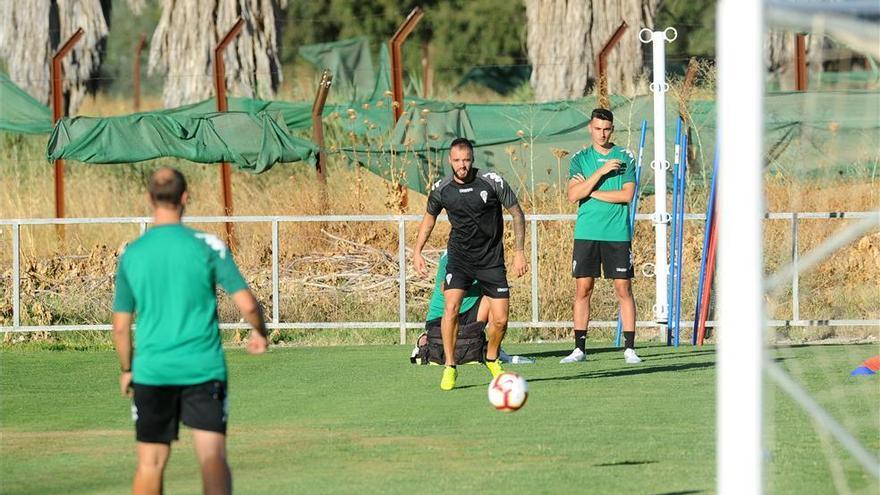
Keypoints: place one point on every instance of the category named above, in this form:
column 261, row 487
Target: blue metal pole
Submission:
column 710, row 209
column 679, row 246
column 670, row 281
column 633, row 208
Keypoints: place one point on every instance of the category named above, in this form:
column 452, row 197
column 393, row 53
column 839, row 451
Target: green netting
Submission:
column 502, row 79
column 253, row 142
column 20, row 112
column 350, row 63
column 528, row 143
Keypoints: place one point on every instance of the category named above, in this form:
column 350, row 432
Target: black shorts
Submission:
column 465, row 318
column 157, row 410
column 614, row 258
column 493, row 281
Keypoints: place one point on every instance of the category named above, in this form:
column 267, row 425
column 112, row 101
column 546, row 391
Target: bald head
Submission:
column 167, row 186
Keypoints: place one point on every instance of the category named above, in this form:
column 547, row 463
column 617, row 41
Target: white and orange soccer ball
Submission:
column 508, row 392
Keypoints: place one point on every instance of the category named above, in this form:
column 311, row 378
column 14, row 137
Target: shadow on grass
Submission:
column 625, row 463
column 651, row 352
column 684, row 492
column 631, row 371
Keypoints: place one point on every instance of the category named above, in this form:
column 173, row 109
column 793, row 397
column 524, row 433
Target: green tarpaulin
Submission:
column 350, row 64
column 20, row 112
column 253, row 142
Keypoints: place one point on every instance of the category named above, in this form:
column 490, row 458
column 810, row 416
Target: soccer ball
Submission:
column 508, row 392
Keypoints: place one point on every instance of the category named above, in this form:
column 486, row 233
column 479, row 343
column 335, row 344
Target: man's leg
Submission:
column 152, row 458
column 623, row 290
column 497, row 326
column 210, row 450
column 583, row 293
column 449, row 324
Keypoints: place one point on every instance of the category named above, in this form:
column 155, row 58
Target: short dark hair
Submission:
column 167, row 186
column 462, row 143
column 602, row 114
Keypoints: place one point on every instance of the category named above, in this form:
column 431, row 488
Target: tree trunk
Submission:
column 31, row 31
column 183, row 44
column 565, row 38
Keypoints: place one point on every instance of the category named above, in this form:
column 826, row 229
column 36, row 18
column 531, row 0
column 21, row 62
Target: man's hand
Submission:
column 257, row 344
column 612, row 165
column 520, row 266
column 419, row 264
column 578, row 178
column 125, row 384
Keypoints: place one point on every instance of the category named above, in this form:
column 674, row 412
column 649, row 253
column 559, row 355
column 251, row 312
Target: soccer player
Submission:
column 602, row 181
column 473, row 200
column 167, row 277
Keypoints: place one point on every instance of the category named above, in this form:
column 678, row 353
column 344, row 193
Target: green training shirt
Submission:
column 599, row 220
column 168, row 279
column 438, row 303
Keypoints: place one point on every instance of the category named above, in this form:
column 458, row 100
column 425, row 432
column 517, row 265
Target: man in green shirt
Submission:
column 168, row 278
column 602, row 182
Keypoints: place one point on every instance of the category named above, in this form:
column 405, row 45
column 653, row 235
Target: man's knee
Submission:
column 498, row 324
column 623, row 289
column 451, row 309
column 584, row 290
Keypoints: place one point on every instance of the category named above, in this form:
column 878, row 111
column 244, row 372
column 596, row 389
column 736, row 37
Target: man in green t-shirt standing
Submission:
column 602, row 181
column 167, row 277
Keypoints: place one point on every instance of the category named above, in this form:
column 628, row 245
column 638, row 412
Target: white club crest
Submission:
column 484, row 195
column 448, row 278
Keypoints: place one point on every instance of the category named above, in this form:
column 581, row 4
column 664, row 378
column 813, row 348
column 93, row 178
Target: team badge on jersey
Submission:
column 484, row 195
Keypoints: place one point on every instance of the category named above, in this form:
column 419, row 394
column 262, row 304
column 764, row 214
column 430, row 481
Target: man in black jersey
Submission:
column 473, row 199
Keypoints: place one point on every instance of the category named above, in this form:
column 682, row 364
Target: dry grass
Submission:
column 348, row 272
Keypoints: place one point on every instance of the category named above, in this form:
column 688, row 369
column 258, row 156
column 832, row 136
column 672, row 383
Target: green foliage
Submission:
column 125, row 31
column 695, row 23
column 462, row 33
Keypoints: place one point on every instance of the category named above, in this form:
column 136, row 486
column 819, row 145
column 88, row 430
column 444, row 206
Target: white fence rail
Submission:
column 401, row 220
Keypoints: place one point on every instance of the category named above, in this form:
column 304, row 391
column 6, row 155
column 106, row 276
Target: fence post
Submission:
column 220, row 88
column 16, row 275
column 800, row 56
column 795, row 275
column 57, row 113
column 318, row 124
column 534, row 256
column 602, row 64
column 401, row 264
column 276, row 299
column 136, row 73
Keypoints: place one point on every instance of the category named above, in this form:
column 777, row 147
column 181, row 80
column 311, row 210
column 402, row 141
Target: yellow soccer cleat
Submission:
column 449, row 376
column 494, row 367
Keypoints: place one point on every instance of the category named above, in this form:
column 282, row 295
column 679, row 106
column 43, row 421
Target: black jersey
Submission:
column 474, row 210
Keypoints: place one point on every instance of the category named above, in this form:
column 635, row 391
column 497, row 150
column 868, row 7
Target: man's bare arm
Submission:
column 425, row 229
column 519, row 227
column 252, row 312
column 122, row 342
column 580, row 187
column 624, row 195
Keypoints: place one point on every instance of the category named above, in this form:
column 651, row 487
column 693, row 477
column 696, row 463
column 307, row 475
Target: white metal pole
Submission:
column 740, row 199
column 660, row 165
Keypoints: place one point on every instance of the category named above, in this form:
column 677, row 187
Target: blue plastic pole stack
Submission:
column 679, row 237
column 710, row 209
column 670, row 283
column 633, row 208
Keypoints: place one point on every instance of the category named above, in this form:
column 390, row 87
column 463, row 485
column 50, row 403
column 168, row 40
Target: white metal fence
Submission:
column 401, row 221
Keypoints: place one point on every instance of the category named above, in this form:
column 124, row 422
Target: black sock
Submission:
column 580, row 340
column 629, row 340
column 450, row 366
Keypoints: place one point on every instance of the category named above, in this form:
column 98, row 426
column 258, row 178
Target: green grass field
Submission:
column 363, row 420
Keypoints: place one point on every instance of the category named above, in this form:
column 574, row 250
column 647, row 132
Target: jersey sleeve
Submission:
column 629, row 173
column 123, row 299
column 227, row 274
column 434, row 203
column 574, row 166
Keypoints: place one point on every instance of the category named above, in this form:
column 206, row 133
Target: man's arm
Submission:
column 122, row 342
column 252, row 313
column 520, row 266
column 624, row 195
column 425, row 229
column 580, row 187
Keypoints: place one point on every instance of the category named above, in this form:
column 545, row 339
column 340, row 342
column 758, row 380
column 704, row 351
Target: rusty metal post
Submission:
column 136, row 73
column 801, row 61
column 396, row 62
column 426, row 70
column 57, row 113
column 318, row 124
column 220, row 90
column 602, row 63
